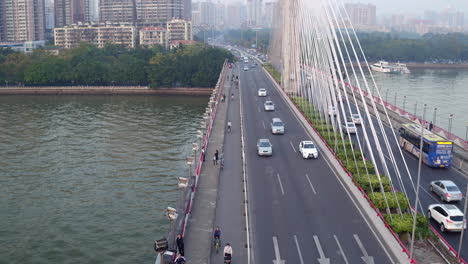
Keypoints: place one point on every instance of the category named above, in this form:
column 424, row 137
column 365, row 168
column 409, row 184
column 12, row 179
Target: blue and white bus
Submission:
column 437, row 151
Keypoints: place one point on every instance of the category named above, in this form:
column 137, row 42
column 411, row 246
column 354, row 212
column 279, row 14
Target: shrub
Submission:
column 361, row 166
column 363, row 181
column 404, row 223
column 378, row 199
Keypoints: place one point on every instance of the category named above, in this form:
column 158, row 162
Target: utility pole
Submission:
column 463, row 223
column 435, row 116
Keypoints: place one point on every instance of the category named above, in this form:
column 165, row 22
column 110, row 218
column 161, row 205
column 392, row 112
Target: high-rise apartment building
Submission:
column 97, row 34
column 117, row 11
column 269, row 15
column 187, row 10
column 179, row 29
column 452, row 18
column 233, row 15
column 254, row 11
column 142, row 11
column 361, row 14
column 22, row 20
column 71, row 12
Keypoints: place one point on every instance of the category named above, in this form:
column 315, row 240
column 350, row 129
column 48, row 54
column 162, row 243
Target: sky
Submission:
column 415, row 6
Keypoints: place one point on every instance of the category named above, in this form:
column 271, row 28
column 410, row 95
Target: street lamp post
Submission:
column 171, row 214
column 183, row 184
column 194, row 148
column 394, row 99
column 464, row 220
column 190, row 163
column 418, row 182
column 404, row 103
column 450, row 125
column 435, row 116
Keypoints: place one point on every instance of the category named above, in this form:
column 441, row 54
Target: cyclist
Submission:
column 229, row 126
column 217, row 233
column 227, row 253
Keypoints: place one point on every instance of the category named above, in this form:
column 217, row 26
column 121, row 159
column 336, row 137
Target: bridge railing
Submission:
column 438, row 130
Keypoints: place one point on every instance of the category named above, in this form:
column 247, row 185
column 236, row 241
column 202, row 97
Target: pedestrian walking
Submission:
column 216, row 157
column 180, row 244
column 203, row 153
column 431, row 126
column 180, row 259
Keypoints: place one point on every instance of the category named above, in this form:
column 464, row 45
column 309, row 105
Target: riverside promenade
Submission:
column 219, row 199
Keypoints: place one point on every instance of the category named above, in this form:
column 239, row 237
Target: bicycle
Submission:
column 217, row 244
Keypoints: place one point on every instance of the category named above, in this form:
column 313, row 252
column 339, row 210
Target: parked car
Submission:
column 349, row 127
column 262, row 92
column 264, row 147
column 277, row 126
column 356, row 119
column 446, row 190
column 448, row 216
column 331, row 111
column 308, row 149
column 269, row 106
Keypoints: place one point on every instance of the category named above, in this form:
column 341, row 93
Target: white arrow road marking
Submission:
column 281, row 185
column 341, row 249
column 292, row 146
column 299, row 250
column 263, row 123
column 322, row 259
column 366, row 258
column 311, row 186
column 278, row 259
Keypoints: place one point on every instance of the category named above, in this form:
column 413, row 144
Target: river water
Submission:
column 86, row 179
column 444, row 89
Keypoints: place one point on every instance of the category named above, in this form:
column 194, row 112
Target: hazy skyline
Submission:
column 414, row 6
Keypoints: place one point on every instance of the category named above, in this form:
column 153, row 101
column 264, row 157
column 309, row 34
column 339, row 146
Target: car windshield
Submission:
column 350, row 124
column 309, row 146
column 356, row 116
column 277, row 124
column 269, row 103
column 264, row 144
column 262, row 90
column 457, row 218
column 452, row 189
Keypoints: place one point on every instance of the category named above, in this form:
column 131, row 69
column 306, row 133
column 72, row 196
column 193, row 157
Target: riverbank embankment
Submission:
column 103, row 90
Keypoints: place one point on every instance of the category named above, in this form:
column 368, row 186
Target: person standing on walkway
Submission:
column 203, row 153
column 431, row 126
column 180, row 244
column 216, row 157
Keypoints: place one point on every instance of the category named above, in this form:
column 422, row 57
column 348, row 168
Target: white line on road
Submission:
column 299, row 250
column 322, row 259
column 292, row 146
column 277, row 252
column 367, row 259
column 281, row 185
column 341, row 249
column 263, row 123
column 258, row 109
column 311, row 186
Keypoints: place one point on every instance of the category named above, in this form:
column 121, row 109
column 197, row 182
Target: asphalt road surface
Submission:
column 299, row 210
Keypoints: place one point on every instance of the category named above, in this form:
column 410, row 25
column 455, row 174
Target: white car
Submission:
column 246, row 68
column 349, row 127
column 448, row 216
column 308, row 149
column 269, row 106
column 262, row 92
column 331, row 111
column 356, row 119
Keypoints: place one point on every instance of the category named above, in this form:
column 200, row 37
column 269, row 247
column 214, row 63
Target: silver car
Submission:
column 446, row 190
column 277, row 126
column 269, row 106
column 264, row 147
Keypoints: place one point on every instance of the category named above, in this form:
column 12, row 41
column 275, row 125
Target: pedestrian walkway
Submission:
column 198, row 237
column 230, row 205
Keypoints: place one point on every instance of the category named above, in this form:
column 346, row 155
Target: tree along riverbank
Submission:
column 114, row 65
column 104, row 90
